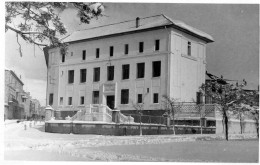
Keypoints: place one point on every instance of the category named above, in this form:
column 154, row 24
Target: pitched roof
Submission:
column 130, row 26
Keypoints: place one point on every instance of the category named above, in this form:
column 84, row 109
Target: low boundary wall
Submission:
column 67, row 127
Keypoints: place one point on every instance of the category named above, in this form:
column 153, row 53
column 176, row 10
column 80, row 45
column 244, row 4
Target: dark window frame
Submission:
column 61, row 100
column 139, row 98
column 110, row 73
column 111, row 51
column 97, row 52
column 155, row 98
column 63, row 58
column 126, row 49
column 95, row 97
column 141, row 47
column 124, row 96
column 140, row 70
column 83, row 54
column 156, row 69
column 69, row 100
column 96, row 74
column 83, row 76
column 51, row 99
column 82, row 100
column 157, row 45
column 71, row 76
column 189, row 48
column 125, row 71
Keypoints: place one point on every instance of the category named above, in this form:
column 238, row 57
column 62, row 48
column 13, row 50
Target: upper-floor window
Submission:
column 69, row 100
column 125, row 71
column 51, row 99
column 111, row 51
column 83, row 75
column 157, row 45
column 124, row 96
column 155, row 98
column 63, row 58
column 71, row 76
column 96, row 74
column 141, row 47
column 97, row 52
column 189, row 48
column 126, row 48
column 71, row 53
column 83, row 54
column 140, row 70
column 110, row 73
column 95, row 97
column 156, row 68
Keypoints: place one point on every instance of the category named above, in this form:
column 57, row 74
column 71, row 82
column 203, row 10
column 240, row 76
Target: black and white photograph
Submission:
column 148, row 81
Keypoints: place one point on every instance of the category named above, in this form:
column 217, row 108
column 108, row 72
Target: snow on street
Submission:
column 19, row 143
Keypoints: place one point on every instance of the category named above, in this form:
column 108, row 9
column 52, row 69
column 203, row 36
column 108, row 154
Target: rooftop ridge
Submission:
column 118, row 23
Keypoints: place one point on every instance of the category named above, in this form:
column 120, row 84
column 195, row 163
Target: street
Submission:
column 34, row 144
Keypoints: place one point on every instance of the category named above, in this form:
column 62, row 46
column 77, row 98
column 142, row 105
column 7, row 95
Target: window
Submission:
column 111, row 51
column 141, row 47
column 156, row 68
column 189, row 48
column 155, row 98
column 83, row 75
column 51, row 99
column 81, row 100
column 126, row 48
column 125, row 71
column 63, row 58
column 70, row 101
column 140, row 70
column 71, row 53
column 71, row 76
column 95, row 97
column 83, row 54
column 110, row 73
column 124, row 96
column 157, row 45
column 139, row 98
column 97, row 53
column 96, row 76
column 61, row 100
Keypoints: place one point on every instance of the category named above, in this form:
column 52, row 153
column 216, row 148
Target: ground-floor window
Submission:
column 82, row 100
column 155, row 98
column 95, row 97
column 70, row 101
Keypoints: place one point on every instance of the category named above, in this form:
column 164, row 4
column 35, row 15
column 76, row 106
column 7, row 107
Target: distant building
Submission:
column 121, row 64
column 35, row 108
column 14, row 108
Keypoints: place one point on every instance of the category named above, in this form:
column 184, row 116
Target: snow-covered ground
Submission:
column 80, row 147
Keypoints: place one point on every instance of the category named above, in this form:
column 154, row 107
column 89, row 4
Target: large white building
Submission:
column 136, row 61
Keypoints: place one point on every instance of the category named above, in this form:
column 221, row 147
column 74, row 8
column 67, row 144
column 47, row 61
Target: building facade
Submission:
column 14, row 108
column 126, row 63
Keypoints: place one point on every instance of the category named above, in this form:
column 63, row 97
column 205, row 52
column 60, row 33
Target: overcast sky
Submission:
column 234, row 54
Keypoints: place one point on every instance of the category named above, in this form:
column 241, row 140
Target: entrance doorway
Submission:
column 111, row 101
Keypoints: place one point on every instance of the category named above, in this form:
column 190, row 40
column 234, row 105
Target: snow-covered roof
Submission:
column 130, row 26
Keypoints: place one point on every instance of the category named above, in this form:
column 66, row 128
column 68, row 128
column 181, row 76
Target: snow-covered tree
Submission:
column 228, row 96
column 39, row 23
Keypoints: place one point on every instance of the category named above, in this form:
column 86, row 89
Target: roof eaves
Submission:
column 207, row 38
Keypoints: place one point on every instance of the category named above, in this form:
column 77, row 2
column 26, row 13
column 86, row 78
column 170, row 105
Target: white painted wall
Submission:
column 180, row 75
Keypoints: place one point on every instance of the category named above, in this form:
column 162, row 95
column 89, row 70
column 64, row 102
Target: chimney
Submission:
column 137, row 22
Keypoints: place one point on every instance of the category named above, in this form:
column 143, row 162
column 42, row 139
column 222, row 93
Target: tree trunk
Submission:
column 173, row 126
column 226, row 126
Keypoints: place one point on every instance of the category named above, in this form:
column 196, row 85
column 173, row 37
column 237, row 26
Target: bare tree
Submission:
column 172, row 107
